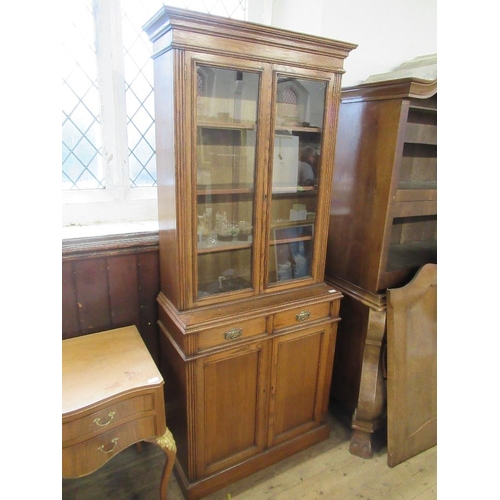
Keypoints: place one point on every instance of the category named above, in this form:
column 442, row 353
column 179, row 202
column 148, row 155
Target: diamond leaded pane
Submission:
column 81, row 135
column 82, row 166
column 138, row 90
column 139, row 77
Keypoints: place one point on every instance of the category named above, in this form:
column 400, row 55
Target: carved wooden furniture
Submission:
column 383, row 219
column 112, row 397
column 248, row 326
column 412, row 366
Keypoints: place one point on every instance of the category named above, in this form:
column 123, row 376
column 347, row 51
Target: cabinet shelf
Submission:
column 293, row 128
column 223, row 190
column 416, row 133
column 214, row 124
column 421, row 127
column 294, row 190
column 222, row 246
column 291, row 240
column 417, row 190
column 289, row 224
column 415, row 199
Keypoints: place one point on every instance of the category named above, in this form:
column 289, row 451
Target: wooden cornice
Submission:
column 416, row 88
column 177, row 28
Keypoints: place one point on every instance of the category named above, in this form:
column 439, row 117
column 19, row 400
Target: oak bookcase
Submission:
column 247, row 324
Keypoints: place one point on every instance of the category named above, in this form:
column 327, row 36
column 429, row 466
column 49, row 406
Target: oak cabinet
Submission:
column 382, row 230
column 246, row 118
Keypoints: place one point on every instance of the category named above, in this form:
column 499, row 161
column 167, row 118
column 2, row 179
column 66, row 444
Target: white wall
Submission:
column 387, row 32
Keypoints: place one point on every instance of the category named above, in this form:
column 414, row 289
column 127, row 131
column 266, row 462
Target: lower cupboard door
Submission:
column 301, row 365
column 231, row 414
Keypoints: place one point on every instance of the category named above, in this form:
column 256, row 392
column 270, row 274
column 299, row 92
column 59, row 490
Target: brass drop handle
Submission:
column 102, row 450
column 232, row 334
column 303, row 315
column 97, row 421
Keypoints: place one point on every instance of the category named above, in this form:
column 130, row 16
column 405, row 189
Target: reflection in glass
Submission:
column 225, row 176
column 296, row 162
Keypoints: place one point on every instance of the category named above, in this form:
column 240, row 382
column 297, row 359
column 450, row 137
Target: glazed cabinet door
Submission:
column 300, row 381
column 226, row 162
column 231, row 406
column 264, row 145
column 299, row 161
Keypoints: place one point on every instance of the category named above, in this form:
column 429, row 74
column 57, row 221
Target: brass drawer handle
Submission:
column 303, row 315
column 232, row 334
column 97, row 421
column 102, row 450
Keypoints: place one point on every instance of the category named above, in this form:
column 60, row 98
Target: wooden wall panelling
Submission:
column 110, row 282
column 149, row 286
column 91, row 283
column 70, row 317
column 123, row 289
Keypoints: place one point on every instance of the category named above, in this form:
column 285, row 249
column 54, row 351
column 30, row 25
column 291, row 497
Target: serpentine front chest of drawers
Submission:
column 112, row 397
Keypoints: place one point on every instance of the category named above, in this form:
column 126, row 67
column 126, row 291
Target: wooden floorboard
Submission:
column 324, row 471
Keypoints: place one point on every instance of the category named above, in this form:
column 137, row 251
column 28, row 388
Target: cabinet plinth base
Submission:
column 215, row 482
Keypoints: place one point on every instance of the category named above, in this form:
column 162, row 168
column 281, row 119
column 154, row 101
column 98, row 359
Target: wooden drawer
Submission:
column 107, row 417
column 226, row 334
column 301, row 315
column 86, row 457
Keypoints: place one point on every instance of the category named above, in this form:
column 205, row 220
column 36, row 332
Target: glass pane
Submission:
column 138, row 66
column 296, row 161
column 225, row 173
column 82, row 166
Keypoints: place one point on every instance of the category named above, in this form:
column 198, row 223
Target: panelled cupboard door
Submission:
column 298, row 381
column 231, row 406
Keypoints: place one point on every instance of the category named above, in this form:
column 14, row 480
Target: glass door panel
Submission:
column 296, row 161
column 225, row 175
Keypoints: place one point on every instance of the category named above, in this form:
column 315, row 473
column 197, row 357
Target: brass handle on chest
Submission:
column 303, row 315
column 102, row 450
column 97, row 421
column 232, row 334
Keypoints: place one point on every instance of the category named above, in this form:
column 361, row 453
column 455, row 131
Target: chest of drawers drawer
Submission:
column 301, row 315
column 222, row 335
column 107, row 417
column 87, row 456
